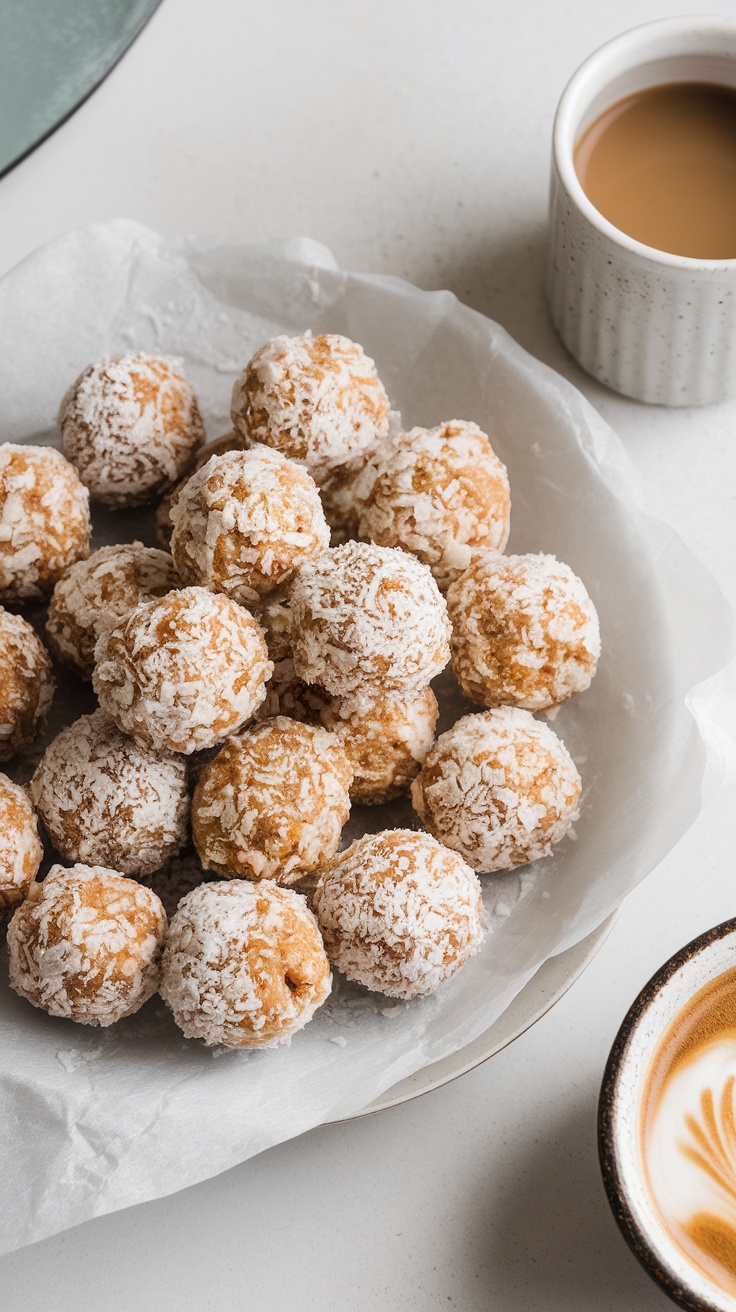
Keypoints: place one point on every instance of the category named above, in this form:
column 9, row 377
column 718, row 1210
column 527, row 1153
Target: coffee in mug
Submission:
column 688, row 1130
column 661, row 166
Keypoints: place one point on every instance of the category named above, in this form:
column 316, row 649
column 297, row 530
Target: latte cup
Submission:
column 658, row 327
column 628, row 1142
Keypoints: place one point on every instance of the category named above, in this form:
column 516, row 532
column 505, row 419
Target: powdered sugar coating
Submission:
column 164, row 525
column 399, row 912
column 20, row 845
column 441, row 493
column 86, row 944
column 498, row 787
column 317, row 399
column 130, row 424
column 26, row 684
column 244, row 964
column 245, row 521
column 106, row 800
column 385, row 740
column 524, row 632
column 44, row 520
column 368, row 619
column 273, row 802
column 183, row 672
column 95, row 593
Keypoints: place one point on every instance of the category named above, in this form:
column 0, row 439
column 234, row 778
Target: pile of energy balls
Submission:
column 265, row 667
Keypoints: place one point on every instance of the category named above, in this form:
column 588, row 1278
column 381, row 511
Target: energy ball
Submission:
column 26, row 684
column 399, row 913
column 316, row 399
column 164, row 525
column 499, row 787
column 442, row 494
column 244, row 964
column 20, row 845
column 245, row 521
column 368, row 619
column 272, row 803
column 98, row 592
column 286, row 694
column 524, row 632
column 86, row 944
column 130, row 424
column 106, row 800
column 44, row 520
column 385, row 740
column 183, row 672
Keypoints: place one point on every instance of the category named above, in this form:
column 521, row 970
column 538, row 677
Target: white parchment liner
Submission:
column 96, row 1120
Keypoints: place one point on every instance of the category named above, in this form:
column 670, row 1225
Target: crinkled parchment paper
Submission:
column 95, row 1120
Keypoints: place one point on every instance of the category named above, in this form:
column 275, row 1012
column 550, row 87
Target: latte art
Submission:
column 688, row 1132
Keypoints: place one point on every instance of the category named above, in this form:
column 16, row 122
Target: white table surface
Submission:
column 412, row 136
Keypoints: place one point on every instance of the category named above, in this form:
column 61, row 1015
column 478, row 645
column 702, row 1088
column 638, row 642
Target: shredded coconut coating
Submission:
column 164, row 525
column 286, row 694
column 245, row 521
column 385, row 740
column 316, row 399
column 524, row 632
column 106, row 800
column 26, row 684
column 86, row 945
column 20, row 845
column 44, row 520
column 273, row 802
column 499, row 787
column 130, row 424
column 183, row 672
column 399, row 913
column 368, row 619
column 98, row 592
column 244, row 964
column 442, row 494
column 345, row 490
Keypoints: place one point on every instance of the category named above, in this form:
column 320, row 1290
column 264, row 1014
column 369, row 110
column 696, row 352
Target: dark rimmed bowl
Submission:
column 619, row 1109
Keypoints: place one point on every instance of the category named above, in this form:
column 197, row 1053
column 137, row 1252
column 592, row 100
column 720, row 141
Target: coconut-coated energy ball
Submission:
column 316, row 399
column 20, row 845
column 164, row 525
column 44, row 520
column 368, row 619
column 385, row 740
column 398, row 912
column 182, row 672
column 272, row 803
column 106, row 800
column 130, row 424
column 441, row 493
column 86, row 944
column 98, row 592
column 26, row 684
column 245, row 521
column 524, row 632
column 244, row 964
column 286, row 694
column 498, row 787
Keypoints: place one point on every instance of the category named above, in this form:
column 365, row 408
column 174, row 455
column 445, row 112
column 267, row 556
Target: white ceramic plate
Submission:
column 550, row 983
column 117, row 286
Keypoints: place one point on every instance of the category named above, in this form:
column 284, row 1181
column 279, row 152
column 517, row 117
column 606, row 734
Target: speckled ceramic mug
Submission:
column 621, row 1118
column 655, row 326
